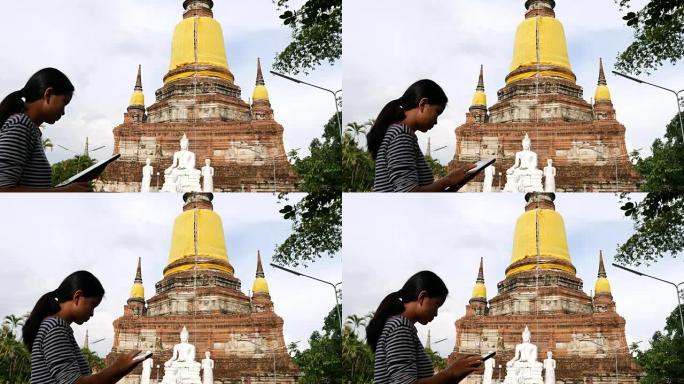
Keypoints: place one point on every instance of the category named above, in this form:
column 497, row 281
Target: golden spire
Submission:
column 260, row 285
column 197, row 47
column 539, row 241
column 480, row 98
column 137, row 291
column 540, row 46
column 260, row 91
column 197, row 242
column 602, row 93
column 602, row 285
column 138, row 98
column 480, row 291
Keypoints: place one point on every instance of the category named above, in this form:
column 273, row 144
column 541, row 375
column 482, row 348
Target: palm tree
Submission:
column 356, row 322
column 14, row 321
column 47, row 143
column 356, row 129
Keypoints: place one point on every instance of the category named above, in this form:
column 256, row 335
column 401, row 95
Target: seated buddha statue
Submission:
column 524, row 176
column 182, row 365
column 182, row 176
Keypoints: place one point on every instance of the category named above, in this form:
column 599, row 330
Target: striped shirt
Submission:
column 55, row 356
column 400, row 165
column 399, row 355
column 22, row 158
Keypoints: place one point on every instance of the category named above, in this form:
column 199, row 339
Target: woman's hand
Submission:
column 125, row 363
column 464, row 367
column 459, row 177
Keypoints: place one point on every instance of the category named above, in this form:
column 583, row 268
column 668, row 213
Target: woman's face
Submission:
column 428, row 114
column 55, row 105
column 428, row 307
column 84, row 308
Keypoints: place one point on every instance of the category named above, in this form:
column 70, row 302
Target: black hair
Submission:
column 393, row 304
column 394, row 111
column 33, row 90
column 48, row 304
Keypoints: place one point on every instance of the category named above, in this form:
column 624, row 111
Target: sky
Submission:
column 389, row 44
column 448, row 235
column 99, row 45
column 52, row 235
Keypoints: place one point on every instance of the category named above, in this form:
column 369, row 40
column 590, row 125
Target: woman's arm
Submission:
column 455, row 372
column 73, row 187
column 115, row 372
column 454, row 181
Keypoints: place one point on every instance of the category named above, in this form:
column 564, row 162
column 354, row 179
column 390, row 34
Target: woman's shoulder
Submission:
column 20, row 123
column 398, row 322
column 51, row 323
column 398, row 128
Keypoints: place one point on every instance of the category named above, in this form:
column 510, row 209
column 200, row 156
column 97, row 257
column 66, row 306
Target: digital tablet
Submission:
column 89, row 173
column 142, row 356
column 482, row 164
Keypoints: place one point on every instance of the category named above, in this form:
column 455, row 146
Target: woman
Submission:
column 23, row 165
column 399, row 163
column 392, row 335
column 55, row 356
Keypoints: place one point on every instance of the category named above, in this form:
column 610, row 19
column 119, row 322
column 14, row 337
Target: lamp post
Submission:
column 337, row 303
column 676, row 93
column 679, row 302
column 334, row 93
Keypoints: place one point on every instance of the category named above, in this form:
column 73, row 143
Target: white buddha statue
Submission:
column 489, row 365
column 550, row 368
column 489, row 173
column 182, row 176
column 146, row 370
column 524, row 176
column 549, row 177
column 524, row 368
column 182, row 366
column 208, row 177
column 207, row 369
column 146, row 176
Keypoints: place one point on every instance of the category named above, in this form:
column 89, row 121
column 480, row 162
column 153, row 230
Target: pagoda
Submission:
column 200, row 291
column 200, row 99
column 541, row 98
column 542, row 292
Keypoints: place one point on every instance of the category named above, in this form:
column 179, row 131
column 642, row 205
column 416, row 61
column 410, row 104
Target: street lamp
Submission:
column 679, row 109
column 679, row 302
column 334, row 93
column 337, row 303
column 258, row 349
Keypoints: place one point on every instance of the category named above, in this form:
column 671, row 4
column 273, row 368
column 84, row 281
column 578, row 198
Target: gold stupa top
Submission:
column 602, row 93
column 540, row 46
column 138, row 98
column 539, row 240
column 602, row 285
column 137, row 291
column 197, row 47
column 479, row 290
column 197, row 241
column 260, row 91
column 260, row 285
column 480, row 98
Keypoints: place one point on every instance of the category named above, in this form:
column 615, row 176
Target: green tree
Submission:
column 658, row 35
column 321, row 362
column 438, row 170
column 357, row 358
column 659, row 217
column 316, row 218
column 358, row 167
column 65, row 169
column 438, row 362
column 15, row 360
column 316, row 35
column 662, row 362
column 95, row 362
column 47, row 143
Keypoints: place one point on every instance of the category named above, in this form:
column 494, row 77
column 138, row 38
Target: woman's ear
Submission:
column 421, row 296
column 78, row 295
column 49, row 91
column 422, row 103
